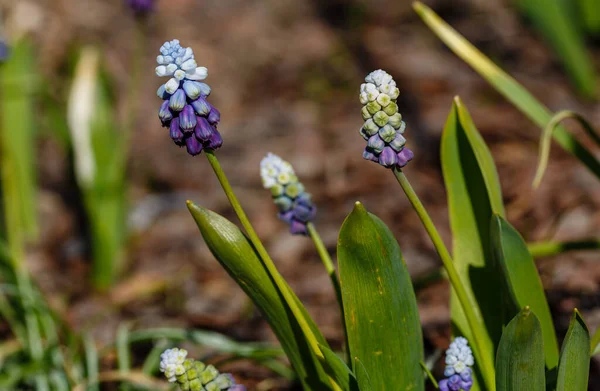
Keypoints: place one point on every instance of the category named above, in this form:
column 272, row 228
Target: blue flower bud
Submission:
column 368, row 155
column 194, row 147
column 387, row 133
column 176, row 133
column 215, row 140
column 214, row 116
column 187, row 119
column 177, row 100
column 376, row 144
column 201, row 106
column 162, row 92
column 203, row 130
column 405, row 156
column 388, row 157
column 195, row 89
column 398, row 142
column 164, row 113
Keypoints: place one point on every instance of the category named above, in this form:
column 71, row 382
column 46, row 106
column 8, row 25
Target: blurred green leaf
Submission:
column 473, row 196
column 589, row 11
column 380, row 307
column 554, row 19
column 338, row 370
column 520, row 358
column 523, row 281
column 18, row 142
column 574, row 366
column 238, row 257
column 505, row 84
column 91, row 363
column 596, row 342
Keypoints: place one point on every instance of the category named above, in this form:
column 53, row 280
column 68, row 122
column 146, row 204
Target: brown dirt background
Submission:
column 285, row 75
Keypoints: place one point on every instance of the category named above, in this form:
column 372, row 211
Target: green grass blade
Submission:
column 91, row 363
column 554, row 20
column 338, row 370
column 239, row 258
column 574, row 367
column 474, row 195
column 384, row 332
column 550, row 248
column 506, row 85
column 520, row 358
column 123, row 355
column 523, row 281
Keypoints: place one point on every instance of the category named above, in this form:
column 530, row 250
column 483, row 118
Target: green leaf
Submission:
column 523, row 281
column 596, row 342
column 589, row 11
column 505, row 85
column 520, row 358
column 239, row 258
column 473, row 196
column 555, row 21
column 574, row 366
column 338, row 370
column 384, row 332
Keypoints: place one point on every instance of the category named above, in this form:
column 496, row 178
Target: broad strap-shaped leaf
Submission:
column 595, row 345
column 520, row 358
column 506, row 85
column 473, row 196
column 523, row 283
column 384, row 332
column 239, row 258
column 574, row 366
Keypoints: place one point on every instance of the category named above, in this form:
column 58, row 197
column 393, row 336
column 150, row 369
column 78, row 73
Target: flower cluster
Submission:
column 193, row 375
column 458, row 372
column 295, row 205
column 383, row 127
column 192, row 121
column 141, row 7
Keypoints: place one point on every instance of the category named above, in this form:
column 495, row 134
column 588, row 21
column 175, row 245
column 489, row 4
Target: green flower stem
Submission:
column 549, row 248
column 328, row 263
column 467, row 304
column 262, row 252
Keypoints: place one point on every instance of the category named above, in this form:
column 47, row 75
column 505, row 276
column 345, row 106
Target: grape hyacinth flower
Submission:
column 383, row 127
column 458, row 372
column 192, row 375
column 140, row 7
column 191, row 120
column 295, row 204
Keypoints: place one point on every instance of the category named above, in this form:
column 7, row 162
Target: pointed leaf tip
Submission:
column 359, row 208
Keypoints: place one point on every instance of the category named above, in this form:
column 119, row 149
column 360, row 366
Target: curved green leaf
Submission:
column 384, row 332
column 523, row 281
column 596, row 342
column 574, row 366
column 238, row 257
column 520, row 358
column 505, row 85
column 473, row 196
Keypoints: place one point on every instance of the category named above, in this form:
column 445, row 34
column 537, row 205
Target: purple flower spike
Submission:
column 388, row 157
column 164, row 113
column 367, row 155
column 405, row 156
column 214, row 116
column 194, row 147
column 203, row 129
column 376, row 144
column 443, row 384
column 215, row 141
column 187, row 119
column 141, row 7
column 238, row 387
column 176, row 133
column 191, row 119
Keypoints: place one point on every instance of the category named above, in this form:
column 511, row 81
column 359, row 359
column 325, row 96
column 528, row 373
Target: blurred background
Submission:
column 94, row 190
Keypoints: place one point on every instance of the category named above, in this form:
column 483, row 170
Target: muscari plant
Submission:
column 504, row 335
